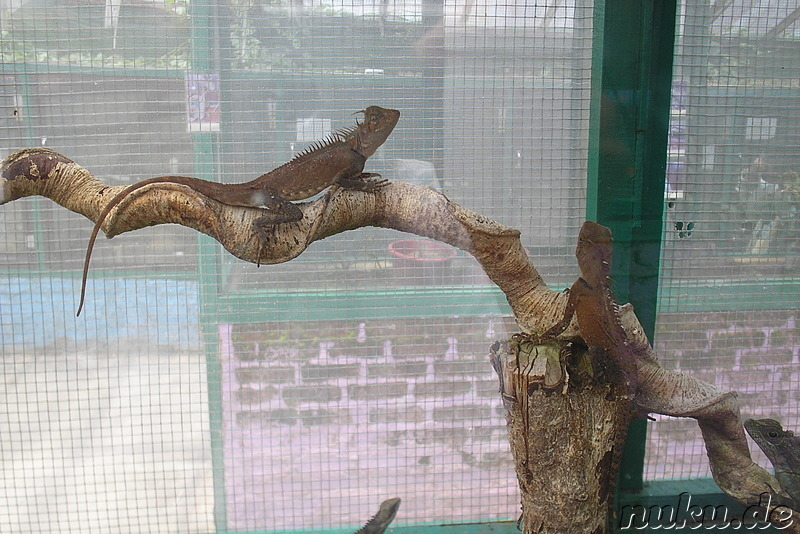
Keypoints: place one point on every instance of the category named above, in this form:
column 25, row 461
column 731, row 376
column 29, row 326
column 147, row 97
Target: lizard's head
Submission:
column 378, row 123
column 769, row 429
column 595, row 248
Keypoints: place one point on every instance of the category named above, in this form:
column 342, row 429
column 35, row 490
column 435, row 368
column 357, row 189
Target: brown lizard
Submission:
column 337, row 159
column 591, row 300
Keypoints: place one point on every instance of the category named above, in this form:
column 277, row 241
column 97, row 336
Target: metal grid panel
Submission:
column 198, row 393
column 729, row 298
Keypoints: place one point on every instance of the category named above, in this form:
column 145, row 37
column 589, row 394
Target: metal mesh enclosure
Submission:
column 729, row 297
column 198, row 393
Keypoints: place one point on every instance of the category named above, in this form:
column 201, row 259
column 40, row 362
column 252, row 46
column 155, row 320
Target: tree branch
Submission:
column 421, row 211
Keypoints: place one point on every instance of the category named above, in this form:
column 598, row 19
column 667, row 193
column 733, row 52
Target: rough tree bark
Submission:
column 425, row 212
column 567, row 421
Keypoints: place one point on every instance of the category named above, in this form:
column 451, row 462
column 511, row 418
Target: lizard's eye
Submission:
column 772, row 434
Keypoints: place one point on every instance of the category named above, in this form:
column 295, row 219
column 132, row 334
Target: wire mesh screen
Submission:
column 198, row 393
column 729, row 298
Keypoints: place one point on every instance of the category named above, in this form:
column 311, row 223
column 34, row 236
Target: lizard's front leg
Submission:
column 354, row 177
column 573, row 294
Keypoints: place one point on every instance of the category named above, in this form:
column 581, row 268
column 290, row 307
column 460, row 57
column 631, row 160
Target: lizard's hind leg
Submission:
column 264, row 226
column 366, row 181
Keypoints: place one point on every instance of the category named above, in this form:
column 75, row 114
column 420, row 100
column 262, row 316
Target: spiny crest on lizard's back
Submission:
column 338, row 136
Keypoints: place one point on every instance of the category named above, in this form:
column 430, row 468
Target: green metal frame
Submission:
column 353, row 305
column 631, row 88
column 30, row 133
column 205, row 168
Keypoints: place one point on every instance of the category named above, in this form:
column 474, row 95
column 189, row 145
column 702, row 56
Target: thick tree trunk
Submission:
column 567, row 430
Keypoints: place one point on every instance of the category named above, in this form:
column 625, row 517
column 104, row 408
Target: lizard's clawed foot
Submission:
column 368, row 182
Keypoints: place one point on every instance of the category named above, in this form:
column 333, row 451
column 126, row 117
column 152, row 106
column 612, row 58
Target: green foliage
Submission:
column 263, row 35
column 48, row 31
column 271, row 34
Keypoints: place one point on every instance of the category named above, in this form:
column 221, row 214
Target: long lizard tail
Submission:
column 92, row 239
column 194, row 183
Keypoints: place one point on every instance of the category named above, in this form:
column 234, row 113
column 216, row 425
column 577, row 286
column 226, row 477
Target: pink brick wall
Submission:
column 327, row 419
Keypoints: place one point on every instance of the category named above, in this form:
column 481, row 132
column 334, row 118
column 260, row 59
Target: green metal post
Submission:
column 202, row 21
column 30, row 133
column 632, row 73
